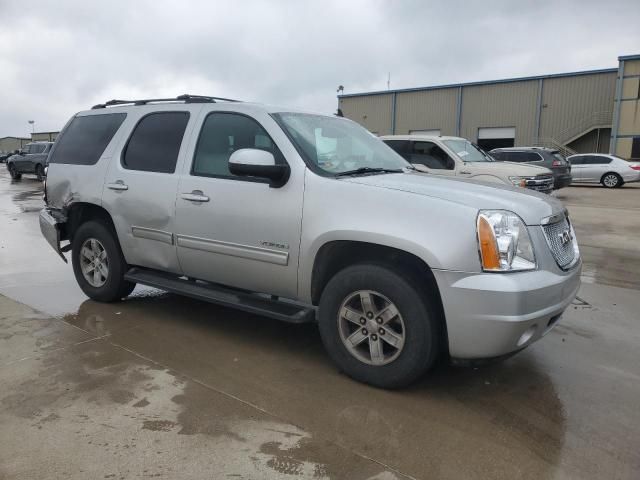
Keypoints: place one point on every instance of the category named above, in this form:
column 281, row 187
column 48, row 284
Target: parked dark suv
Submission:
column 545, row 157
column 31, row 159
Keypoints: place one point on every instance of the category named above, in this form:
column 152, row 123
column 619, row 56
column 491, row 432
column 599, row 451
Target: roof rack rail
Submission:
column 186, row 98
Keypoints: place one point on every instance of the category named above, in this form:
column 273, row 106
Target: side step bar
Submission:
column 229, row 297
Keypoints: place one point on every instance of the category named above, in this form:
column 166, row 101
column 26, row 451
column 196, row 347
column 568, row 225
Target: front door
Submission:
column 429, row 157
column 238, row 231
column 141, row 185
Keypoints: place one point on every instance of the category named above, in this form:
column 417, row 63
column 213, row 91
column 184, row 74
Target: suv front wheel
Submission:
column 98, row 263
column 377, row 327
column 13, row 172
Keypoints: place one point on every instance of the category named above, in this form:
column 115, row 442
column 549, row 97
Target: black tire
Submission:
column 12, row 171
column 40, row 172
column 607, row 180
column 421, row 324
column 115, row 286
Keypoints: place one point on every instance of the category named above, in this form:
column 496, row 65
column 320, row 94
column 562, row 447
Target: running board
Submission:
column 256, row 303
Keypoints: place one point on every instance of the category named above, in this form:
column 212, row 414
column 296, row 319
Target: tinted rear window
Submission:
column 155, row 143
column 523, row 157
column 85, row 138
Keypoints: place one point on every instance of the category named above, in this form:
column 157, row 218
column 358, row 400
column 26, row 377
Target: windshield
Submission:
column 337, row 145
column 467, row 151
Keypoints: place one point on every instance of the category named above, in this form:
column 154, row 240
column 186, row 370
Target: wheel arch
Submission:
column 612, row 172
column 81, row 212
column 336, row 255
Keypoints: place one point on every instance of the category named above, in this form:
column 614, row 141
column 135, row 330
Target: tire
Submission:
column 417, row 321
column 39, row 172
column 12, row 171
column 611, row 180
column 107, row 285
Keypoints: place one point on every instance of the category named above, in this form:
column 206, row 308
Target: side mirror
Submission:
column 420, row 167
column 252, row 162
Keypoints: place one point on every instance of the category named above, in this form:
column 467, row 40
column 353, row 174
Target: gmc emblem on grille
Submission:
column 565, row 237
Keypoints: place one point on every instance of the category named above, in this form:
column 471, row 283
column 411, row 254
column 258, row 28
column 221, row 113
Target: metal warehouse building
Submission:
column 590, row 111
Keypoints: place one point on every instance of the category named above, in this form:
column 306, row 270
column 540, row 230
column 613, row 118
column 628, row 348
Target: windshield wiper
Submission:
column 364, row 170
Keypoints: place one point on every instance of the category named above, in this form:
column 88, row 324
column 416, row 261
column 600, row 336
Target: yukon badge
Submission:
column 284, row 246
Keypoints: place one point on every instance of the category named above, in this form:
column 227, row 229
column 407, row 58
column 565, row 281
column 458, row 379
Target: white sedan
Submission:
column 609, row 170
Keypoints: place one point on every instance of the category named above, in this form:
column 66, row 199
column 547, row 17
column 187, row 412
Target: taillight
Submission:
column 635, row 166
column 556, row 163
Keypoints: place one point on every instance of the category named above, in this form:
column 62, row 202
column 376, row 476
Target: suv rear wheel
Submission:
column 12, row 171
column 377, row 327
column 98, row 263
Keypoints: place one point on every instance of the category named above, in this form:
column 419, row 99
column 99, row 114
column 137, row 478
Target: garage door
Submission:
column 496, row 137
column 430, row 133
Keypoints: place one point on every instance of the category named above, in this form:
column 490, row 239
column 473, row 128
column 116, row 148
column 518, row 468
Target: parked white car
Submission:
column 455, row 156
column 609, row 170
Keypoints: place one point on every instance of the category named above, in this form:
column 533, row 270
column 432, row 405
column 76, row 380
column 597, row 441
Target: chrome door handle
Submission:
column 119, row 185
column 195, row 196
column 465, row 172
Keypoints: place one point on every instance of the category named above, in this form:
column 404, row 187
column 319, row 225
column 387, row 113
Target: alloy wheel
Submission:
column 371, row 327
column 610, row 180
column 94, row 262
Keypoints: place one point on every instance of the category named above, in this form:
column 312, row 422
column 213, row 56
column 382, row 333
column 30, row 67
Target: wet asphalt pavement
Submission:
column 168, row 387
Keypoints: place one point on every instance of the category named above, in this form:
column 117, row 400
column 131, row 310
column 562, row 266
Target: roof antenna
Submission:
column 389, row 81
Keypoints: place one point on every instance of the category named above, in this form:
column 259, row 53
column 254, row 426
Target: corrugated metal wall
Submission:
column 500, row 105
column 373, row 112
column 427, row 110
column 571, row 105
column 570, row 102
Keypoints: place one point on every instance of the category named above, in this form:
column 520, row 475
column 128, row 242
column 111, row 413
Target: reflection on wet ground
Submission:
column 160, row 385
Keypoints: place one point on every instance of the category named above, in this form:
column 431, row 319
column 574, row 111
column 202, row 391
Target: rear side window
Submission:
column 596, row 160
column 155, row 142
column 402, row 147
column 523, row 157
column 577, row 160
column 85, row 138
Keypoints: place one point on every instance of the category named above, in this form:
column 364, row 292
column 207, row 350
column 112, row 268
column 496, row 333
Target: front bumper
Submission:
column 494, row 314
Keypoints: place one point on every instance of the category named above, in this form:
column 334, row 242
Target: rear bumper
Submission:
column 491, row 315
column 561, row 181
column 50, row 228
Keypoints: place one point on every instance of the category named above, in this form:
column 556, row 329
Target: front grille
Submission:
column 564, row 251
column 540, row 183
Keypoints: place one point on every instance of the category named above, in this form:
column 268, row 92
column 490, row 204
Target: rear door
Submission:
column 142, row 181
column 594, row 167
column 22, row 162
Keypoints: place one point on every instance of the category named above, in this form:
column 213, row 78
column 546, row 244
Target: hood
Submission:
column 506, row 169
column 529, row 205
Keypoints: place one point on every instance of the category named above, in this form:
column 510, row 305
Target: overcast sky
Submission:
column 59, row 57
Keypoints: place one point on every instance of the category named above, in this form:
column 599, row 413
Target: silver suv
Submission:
column 304, row 217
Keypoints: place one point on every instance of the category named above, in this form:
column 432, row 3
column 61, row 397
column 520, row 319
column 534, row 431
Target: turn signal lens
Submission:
column 488, row 245
column 504, row 242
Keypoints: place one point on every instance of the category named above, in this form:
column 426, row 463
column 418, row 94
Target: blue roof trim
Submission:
column 629, row 57
column 484, row 82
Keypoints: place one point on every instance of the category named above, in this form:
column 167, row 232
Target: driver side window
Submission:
column 222, row 134
column 431, row 156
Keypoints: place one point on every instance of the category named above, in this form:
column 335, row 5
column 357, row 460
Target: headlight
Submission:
column 519, row 181
column 504, row 242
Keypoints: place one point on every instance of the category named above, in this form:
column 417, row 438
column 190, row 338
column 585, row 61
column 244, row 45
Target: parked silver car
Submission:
column 304, row 217
column 608, row 170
